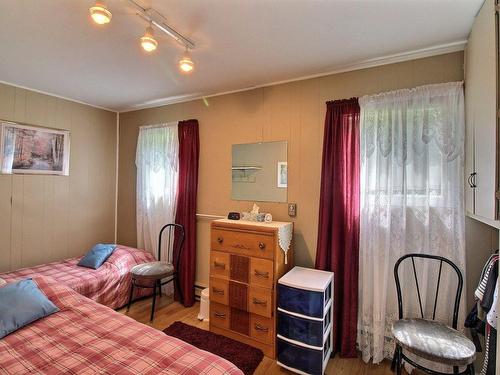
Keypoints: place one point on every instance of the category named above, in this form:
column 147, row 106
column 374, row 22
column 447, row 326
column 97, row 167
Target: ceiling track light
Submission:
column 186, row 65
column 99, row 13
column 157, row 19
column 148, row 42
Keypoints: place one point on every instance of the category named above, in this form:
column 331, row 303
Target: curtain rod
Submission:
column 164, row 125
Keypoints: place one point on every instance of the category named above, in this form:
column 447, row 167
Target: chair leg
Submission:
column 154, row 302
column 399, row 361
column 130, row 295
column 394, row 359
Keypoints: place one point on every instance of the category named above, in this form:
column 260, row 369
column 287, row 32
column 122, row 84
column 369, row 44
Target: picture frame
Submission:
column 30, row 149
column 282, row 174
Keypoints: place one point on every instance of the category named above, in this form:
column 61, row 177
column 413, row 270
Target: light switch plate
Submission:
column 292, row 209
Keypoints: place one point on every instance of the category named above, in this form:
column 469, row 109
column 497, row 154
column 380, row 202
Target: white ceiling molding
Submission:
column 57, row 96
column 369, row 63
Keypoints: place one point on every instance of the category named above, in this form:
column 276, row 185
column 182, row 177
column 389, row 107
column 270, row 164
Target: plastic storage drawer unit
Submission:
column 304, row 330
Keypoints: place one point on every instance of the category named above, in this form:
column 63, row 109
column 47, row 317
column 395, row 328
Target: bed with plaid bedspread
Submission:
column 85, row 337
column 109, row 284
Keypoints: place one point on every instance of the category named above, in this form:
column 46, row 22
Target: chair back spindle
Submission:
column 431, row 258
column 173, row 231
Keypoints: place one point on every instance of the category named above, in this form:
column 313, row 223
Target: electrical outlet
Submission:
column 292, row 209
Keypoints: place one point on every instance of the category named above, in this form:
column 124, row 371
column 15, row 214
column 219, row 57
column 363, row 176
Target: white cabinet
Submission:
column 481, row 118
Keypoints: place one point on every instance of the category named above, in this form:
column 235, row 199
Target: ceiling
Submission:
column 53, row 46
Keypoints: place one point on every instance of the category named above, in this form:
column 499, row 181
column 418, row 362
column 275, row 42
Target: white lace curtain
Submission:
column 412, row 200
column 157, row 161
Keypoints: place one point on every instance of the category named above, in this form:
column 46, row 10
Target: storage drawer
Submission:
column 309, row 361
column 243, row 242
column 219, row 264
column 260, row 301
column 262, row 329
column 307, row 331
column 301, row 301
column 261, row 273
column 219, row 315
column 219, row 291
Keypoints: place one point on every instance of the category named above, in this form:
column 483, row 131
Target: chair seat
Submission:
column 152, row 270
column 434, row 341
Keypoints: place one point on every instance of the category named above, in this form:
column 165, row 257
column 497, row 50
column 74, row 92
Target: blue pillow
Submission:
column 97, row 256
column 22, row 303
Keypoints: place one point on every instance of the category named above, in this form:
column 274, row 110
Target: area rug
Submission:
column 243, row 356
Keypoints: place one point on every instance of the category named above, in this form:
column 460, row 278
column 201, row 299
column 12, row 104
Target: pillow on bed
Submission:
column 2, row 282
column 97, row 256
column 22, row 303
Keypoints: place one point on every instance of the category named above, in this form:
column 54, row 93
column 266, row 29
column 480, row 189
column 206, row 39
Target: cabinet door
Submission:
column 481, row 117
column 469, row 157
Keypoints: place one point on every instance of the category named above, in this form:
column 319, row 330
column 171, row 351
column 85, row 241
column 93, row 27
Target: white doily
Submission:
column 285, row 233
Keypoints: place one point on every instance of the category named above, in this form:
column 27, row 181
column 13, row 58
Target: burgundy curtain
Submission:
column 338, row 229
column 189, row 149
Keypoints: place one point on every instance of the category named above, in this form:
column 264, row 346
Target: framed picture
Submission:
column 282, row 174
column 30, row 149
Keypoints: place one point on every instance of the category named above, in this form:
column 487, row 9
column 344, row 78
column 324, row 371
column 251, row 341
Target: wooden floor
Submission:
column 168, row 312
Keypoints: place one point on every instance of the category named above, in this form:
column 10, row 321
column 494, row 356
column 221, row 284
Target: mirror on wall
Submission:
column 260, row 172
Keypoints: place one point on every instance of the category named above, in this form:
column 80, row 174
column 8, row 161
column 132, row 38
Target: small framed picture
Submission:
column 282, row 174
column 33, row 150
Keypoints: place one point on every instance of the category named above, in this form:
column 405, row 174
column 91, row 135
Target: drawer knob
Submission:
column 218, row 291
column 260, row 328
column 220, row 315
column 220, row 265
column 220, row 239
column 259, row 302
column 265, row 275
column 262, row 245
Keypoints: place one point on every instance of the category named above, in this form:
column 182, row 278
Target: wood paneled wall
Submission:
column 293, row 112
column 47, row 218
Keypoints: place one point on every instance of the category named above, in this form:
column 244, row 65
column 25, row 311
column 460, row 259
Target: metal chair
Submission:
column 150, row 275
column 427, row 338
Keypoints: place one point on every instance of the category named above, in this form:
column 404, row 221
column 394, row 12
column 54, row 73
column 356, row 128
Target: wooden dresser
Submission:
column 246, row 262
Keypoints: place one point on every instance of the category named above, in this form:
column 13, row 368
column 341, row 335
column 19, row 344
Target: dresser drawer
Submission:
column 260, row 301
column 219, row 315
column 219, row 264
column 261, row 273
column 262, row 329
column 219, row 291
column 253, row 244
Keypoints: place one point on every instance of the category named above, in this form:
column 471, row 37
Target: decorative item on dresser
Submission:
column 305, row 306
column 246, row 260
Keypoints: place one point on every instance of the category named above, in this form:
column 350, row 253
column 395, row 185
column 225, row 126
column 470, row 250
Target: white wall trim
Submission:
column 57, row 96
column 364, row 64
column 117, row 169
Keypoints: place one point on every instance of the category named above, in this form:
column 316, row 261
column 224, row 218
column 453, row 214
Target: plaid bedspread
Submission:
column 109, row 284
column 85, row 337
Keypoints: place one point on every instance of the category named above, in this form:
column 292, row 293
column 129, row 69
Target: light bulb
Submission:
column 100, row 14
column 186, row 65
column 148, row 42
